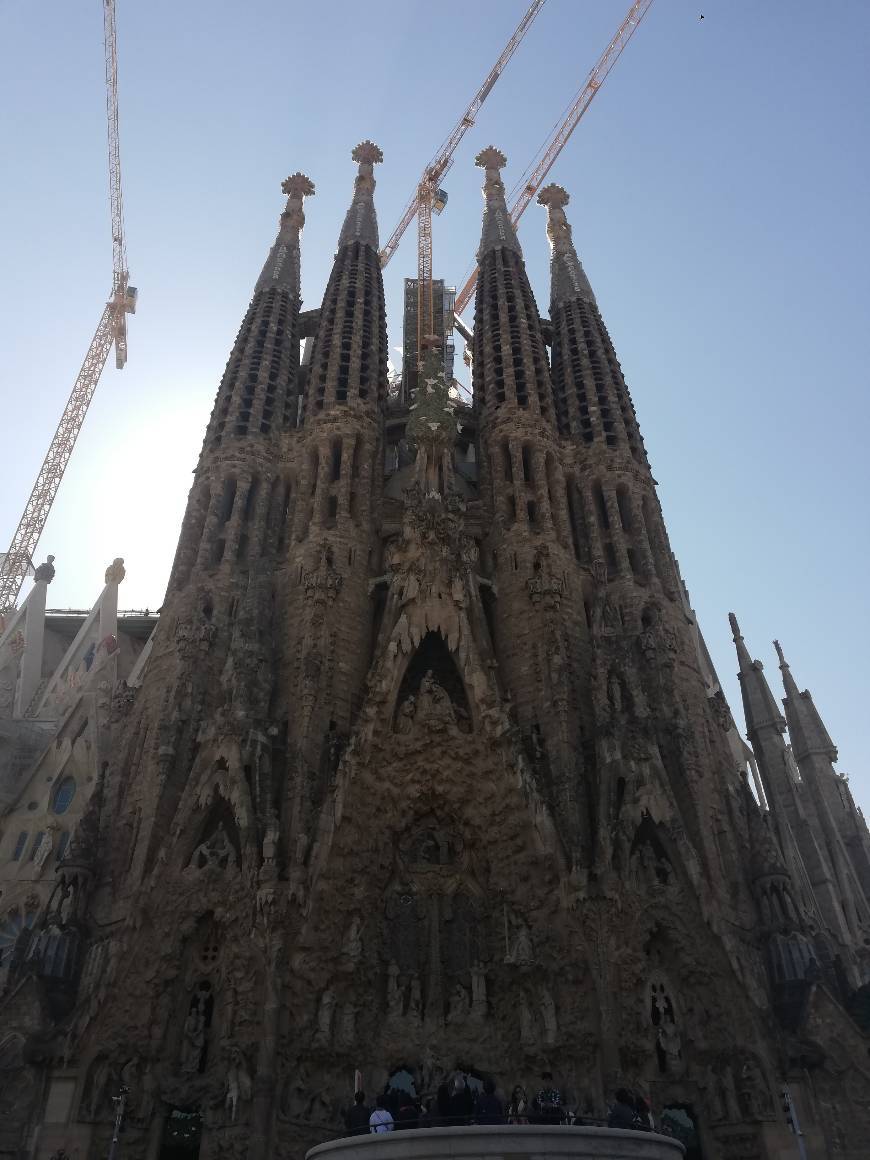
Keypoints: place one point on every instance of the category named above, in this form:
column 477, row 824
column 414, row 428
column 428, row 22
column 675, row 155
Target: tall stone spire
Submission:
column 829, row 810
column 257, row 394
column 805, row 727
column 510, row 363
column 498, row 230
column 759, row 704
column 591, row 396
column 349, row 362
column 568, row 278
column 230, row 502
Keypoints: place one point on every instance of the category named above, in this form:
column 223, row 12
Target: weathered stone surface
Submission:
column 426, row 769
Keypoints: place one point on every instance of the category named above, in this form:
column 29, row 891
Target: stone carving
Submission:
column 522, row 950
column 458, row 1006
column 395, row 999
column 415, row 1000
column 753, row 1092
column 195, row 1030
column 478, row 992
column 547, row 1008
column 325, row 1013
column 215, row 853
column 45, row 571
column 238, row 1082
column 543, row 587
column 667, row 1037
column 323, row 583
column 116, row 571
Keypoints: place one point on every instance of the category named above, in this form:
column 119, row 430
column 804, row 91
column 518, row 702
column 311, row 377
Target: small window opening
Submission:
column 336, row 460
column 527, row 463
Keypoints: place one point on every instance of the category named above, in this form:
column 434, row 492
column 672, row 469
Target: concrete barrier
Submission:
column 502, row 1142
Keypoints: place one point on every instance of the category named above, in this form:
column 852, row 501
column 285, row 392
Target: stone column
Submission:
column 30, row 671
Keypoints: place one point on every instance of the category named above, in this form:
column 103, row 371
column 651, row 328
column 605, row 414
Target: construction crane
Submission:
column 429, row 197
column 557, row 142
column 111, row 330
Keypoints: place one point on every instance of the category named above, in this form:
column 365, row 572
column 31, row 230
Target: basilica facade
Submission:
column 425, row 769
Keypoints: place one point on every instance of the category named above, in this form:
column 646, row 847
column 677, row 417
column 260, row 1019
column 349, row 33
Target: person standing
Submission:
column 547, row 1104
column 356, row 1119
column 488, row 1108
column 381, row 1119
column 518, row 1108
column 623, row 1114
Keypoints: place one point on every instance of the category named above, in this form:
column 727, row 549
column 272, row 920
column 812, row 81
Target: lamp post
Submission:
column 120, row 1102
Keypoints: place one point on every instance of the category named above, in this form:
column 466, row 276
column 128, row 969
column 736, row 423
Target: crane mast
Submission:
column 443, row 159
column 569, row 123
column 111, row 330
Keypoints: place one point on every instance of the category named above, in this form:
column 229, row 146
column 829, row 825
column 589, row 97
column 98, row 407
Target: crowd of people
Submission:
column 457, row 1103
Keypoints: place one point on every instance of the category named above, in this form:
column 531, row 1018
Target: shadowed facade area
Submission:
column 424, row 772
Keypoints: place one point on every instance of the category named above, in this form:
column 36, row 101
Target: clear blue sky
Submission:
column 719, row 189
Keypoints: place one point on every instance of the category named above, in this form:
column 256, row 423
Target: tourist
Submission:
column 623, row 1114
column 461, row 1101
column 518, row 1108
column 356, row 1119
column 381, row 1120
column 442, row 1103
column 488, row 1108
column 408, row 1111
column 644, row 1114
column 547, row 1104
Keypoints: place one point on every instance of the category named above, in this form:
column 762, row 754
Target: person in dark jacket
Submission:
column 488, row 1109
column 356, row 1119
column 623, row 1113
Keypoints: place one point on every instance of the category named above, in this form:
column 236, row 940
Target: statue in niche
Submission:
column 548, row 1014
column 324, row 1019
column 194, row 1033
column 395, row 998
column 347, row 1026
column 434, row 706
column 610, row 621
column 415, row 1001
column 238, row 1082
column 753, row 1093
column 527, row 1023
column 215, row 853
column 458, row 1005
column 718, row 1086
column 522, row 951
column 434, row 847
column 667, row 1037
column 478, row 991
column 614, row 693
column 352, row 946
column 405, row 716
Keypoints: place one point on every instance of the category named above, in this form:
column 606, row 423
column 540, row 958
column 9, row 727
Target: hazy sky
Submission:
column 719, row 189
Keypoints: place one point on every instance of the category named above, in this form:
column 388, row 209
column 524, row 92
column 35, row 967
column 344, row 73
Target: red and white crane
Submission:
column 111, row 331
column 557, row 142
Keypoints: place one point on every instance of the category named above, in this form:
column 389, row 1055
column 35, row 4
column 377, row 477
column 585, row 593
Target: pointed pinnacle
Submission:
column 735, row 627
column 367, row 153
column 490, row 158
column 553, row 195
column 297, row 185
column 783, row 663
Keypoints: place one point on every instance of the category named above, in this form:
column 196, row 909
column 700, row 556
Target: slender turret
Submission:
column 228, row 511
column 827, row 808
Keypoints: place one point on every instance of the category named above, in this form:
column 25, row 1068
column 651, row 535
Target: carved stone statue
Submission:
column 548, row 1014
column 215, row 853
column 405, row 716
column 324, row 1018
column 458, row 1006
column 394, row 991
column 478, row 991
column 522, row 950
column 238, row 1082
column 527, row 1023
column 193, row 1037
column 116, row 571
column 415, row 1001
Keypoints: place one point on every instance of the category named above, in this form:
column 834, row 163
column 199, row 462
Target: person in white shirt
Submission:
column 381, row 1119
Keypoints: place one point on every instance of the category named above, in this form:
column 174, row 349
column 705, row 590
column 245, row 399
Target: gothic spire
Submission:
column 510, row 362
column 589, row 390
column 498, row 229
column 349, row 361
column 257, row 394
column 759, row 704
column 361, row 222
column 805, row 727
column 282, row 268
column 567, row 277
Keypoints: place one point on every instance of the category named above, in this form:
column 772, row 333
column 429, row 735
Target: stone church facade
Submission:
column 426, row 768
